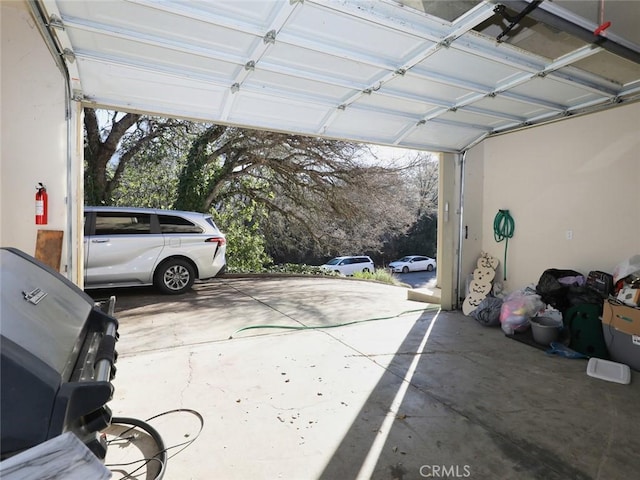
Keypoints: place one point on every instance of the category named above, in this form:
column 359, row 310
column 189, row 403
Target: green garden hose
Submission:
column 334, row 325
column 503, row 228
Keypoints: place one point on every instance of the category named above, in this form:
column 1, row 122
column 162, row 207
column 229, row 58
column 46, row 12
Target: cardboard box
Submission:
column 621, row 317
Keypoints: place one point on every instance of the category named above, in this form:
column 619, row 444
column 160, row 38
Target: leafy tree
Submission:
column 245, row 244
column 100, row 145
column 277, row 196
column 421, row 186
column 150, row 185
column 114, row 140
column 425, row 179
column 150, row 178
column 320, row 195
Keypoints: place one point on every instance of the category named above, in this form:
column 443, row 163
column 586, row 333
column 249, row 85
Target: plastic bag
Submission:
column 554, row 285
column 517, row 309
column 626, row 268
column 488, row 312
column 552, row 313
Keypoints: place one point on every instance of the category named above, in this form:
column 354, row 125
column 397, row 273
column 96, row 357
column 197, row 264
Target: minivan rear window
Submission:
column 211, row 222
column 175, row 224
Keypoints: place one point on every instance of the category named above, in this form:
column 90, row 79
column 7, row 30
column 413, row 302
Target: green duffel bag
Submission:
column 585, row 330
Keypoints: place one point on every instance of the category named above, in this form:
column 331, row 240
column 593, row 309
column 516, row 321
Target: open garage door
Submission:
column 429, row 75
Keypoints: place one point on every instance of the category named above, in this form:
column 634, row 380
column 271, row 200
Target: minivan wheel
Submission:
column 174, row 276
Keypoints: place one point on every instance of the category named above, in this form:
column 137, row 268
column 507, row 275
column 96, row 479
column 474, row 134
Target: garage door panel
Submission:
column 361, row 124
column 307, row 61
column 441, row 134
column 121, row 85
column 276, row 112
column 386, row 72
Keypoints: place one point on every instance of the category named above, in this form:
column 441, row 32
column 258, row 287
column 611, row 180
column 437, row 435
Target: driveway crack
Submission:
column 189, row 377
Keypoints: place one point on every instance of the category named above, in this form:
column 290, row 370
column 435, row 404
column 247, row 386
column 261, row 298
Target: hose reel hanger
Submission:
column 503, row 229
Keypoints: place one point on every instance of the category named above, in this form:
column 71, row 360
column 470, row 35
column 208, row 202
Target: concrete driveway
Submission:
column 402, row 392
column 422, row 279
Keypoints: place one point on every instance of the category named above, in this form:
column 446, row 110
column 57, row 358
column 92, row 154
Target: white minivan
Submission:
column 349, row 265
column 142, row 246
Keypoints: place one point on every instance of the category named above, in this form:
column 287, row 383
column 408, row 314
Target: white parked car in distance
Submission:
column 170, row 249
column 413, row 263
column 349, row 265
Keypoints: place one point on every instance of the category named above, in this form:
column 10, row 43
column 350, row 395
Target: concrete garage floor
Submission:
column 424, row 394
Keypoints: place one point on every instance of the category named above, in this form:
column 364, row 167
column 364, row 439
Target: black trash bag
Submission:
column 488, row 312
column 555, row 293
column 584, row 295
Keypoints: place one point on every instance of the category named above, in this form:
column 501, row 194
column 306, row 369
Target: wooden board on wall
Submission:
column 49, row 248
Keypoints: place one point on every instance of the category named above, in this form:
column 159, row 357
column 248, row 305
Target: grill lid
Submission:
column 58, row 355
column 42, row 312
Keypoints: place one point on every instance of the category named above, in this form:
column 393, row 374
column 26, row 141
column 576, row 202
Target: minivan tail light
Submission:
column 219, row 240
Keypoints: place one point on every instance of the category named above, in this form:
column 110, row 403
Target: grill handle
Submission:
column 106, row 355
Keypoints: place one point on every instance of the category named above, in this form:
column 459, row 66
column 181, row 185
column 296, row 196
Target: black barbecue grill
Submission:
column 57, row 357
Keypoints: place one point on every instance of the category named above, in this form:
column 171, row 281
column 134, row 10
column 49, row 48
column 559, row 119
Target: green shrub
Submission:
column 379, row 275
column 298, row 269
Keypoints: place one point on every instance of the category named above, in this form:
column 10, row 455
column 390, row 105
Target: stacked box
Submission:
column 621, row 328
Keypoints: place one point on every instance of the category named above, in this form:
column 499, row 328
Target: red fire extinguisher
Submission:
column 42, row 205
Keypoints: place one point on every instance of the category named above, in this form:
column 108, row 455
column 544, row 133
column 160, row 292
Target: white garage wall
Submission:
column 33, row 134
column 580, row 175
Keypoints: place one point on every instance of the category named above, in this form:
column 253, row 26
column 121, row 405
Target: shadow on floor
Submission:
column 452, row 405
